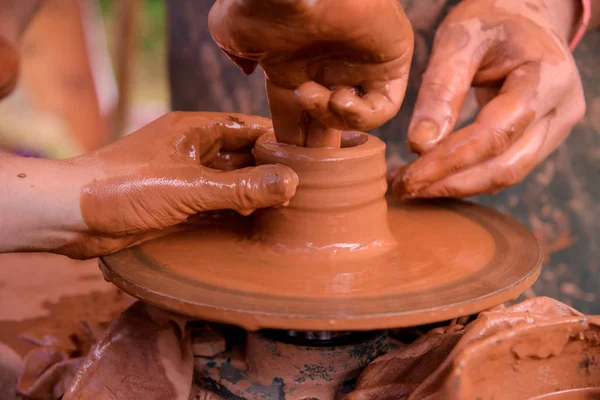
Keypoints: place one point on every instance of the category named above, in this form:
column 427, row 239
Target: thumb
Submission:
column 245, row 190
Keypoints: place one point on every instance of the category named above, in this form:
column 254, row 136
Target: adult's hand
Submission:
column 141, row 187
column 515, row 53
column 345, row 62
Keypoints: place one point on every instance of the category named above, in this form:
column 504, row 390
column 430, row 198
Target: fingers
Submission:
column 201, row 136
column 345, row 108
column 91, row 246
column 229, row 160
column 499, row 124
column 314, row 98
column 247, row 66
column 239, row 131
column 453, row 63
column 245, row 190
column 496, row 174
column 537, row 143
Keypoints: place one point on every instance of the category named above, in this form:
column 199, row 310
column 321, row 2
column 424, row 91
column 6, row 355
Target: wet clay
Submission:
column 145, row 353
column 43, row 299
column 528, row 87
column 540, row 346
column 545, row 348
column 272, row 369
column 338, row 257
column 339, row 211
column 329, row 65
column 149, row 183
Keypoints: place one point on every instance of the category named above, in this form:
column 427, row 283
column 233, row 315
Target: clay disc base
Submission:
column 453, row 259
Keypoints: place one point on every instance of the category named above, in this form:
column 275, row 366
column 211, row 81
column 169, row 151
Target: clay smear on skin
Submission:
column 297, row 75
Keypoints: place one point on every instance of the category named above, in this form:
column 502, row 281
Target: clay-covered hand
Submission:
column 515, row 53
column 141, row 187
column 346, row 62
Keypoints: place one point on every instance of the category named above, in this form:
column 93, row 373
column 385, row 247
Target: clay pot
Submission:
column 339, row 209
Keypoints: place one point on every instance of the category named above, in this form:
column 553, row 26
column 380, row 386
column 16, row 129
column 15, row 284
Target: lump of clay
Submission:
column 146, row 353
column 49, row 369
column 539, row 346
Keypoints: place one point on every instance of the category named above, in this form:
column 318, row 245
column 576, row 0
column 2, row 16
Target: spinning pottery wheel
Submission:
column 340, row 257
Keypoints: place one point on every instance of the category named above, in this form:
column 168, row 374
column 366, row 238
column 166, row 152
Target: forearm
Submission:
column 39, row 204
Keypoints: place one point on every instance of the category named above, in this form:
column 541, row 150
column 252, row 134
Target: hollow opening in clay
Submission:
column 353, row 139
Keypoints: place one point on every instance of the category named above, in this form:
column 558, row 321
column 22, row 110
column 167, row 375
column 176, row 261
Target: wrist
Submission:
column 39, row 208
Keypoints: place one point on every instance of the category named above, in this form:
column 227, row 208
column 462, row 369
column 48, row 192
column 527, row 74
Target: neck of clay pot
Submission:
column 339, row 209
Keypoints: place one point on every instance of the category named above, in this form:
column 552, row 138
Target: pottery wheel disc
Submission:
column 453, row 259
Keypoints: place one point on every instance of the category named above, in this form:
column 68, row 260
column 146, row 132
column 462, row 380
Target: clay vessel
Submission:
column 339, row 209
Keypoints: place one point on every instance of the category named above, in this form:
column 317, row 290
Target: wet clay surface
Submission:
column 557, row 200
column 329, row 65
column 46, row 294
column 49, row 306
column 263, row 368
column 540, row 346
column 433, row 262
column 544, row 347
column 149, row 183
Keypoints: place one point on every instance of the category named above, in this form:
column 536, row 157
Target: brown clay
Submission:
column 340, row 212
column 334, row 258
column 539, row 347
column 544, row 348
column 516, row 54
column 330, row 65
column 270, row 369
column 572, row 394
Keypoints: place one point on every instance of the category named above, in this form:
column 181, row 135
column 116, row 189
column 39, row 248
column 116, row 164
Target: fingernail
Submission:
column 402, row 188
column 283, row 181
column 423, row 136
column 395, row 173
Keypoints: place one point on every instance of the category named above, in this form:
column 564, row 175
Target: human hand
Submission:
column 141, row 187
column 345, row 62
column 516, row 56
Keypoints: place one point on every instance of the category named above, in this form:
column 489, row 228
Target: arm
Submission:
column 39, row 204
column 141, row 187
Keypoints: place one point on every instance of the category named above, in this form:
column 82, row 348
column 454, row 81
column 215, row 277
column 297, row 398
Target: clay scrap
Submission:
column 543, row 347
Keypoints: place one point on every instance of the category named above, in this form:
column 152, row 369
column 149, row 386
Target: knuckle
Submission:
column 499, row 140
column 508, row 176
column 461, row 160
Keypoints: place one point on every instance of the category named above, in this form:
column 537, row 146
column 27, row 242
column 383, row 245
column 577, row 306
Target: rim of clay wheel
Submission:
column 117, row 268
